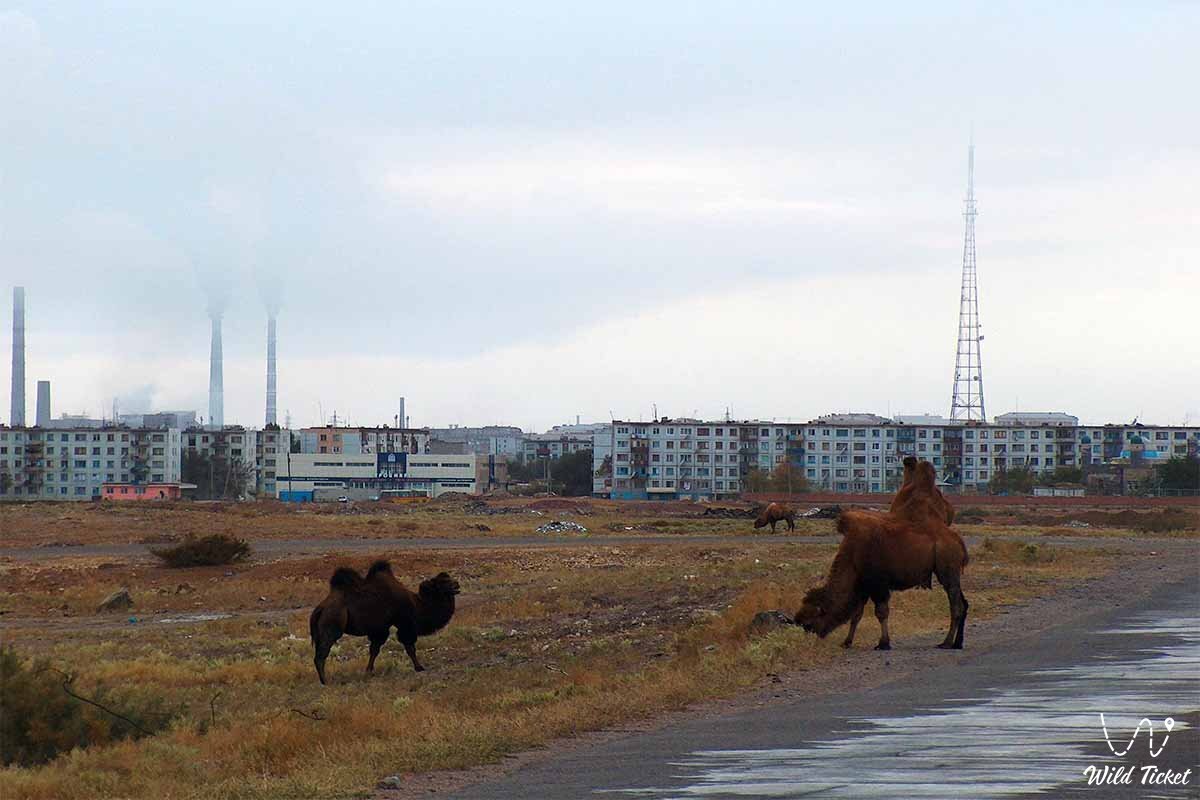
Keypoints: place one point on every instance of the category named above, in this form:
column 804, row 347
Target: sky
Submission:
column 519, row 213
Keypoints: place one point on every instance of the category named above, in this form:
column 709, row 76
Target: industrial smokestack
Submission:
column 271, row 370
column 16, row 417
column 216, row 381
column 43, row 404
column 403, row 419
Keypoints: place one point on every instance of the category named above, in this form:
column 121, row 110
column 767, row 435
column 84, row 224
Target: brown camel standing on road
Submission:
column 882, row 553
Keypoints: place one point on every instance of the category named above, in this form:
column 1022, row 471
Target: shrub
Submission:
column 1169, row 519
column 39, row 719
column 207, row 551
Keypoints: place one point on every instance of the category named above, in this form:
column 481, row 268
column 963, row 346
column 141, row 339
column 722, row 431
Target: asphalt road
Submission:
column 1017, row 720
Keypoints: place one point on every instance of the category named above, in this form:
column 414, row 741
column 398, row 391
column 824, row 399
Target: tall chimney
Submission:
column 216, row 381
column 271, row 370
column 403, row 419
column 43, row 404
column 17, row 416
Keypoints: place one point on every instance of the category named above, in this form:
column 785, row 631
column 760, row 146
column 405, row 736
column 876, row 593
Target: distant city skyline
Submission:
column 517, row 215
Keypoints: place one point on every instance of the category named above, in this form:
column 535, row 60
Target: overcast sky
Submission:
column 520, row 212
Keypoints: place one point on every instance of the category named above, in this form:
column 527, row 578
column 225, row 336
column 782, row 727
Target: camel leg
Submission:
column 962, row 621
column 376, row 646
column 881, row 614
column 774, row 522
column 854, row 623
column 791, row 524
column 411, row 649
column 958, row 616
column 325, row 641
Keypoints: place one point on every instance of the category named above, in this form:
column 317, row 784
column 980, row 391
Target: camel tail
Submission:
column 314, row 623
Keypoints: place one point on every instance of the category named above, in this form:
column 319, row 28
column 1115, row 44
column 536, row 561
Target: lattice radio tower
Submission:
column 967, row 402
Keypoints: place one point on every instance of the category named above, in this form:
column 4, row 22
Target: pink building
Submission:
column 144, row 491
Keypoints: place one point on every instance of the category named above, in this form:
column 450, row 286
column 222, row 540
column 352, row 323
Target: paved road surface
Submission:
column 1012, row 721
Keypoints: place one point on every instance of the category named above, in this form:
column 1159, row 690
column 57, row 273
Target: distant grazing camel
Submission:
column 371, row 606
column 775, row 513
column 882, row 553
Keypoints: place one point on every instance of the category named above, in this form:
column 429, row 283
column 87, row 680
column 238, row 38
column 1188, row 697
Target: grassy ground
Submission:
column 546, row 643
column 68, row 524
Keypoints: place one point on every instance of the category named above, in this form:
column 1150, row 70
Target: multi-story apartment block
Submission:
column 490, row 440
column 271, row 447
column 538, row 446
column 863, row 453
column 359, row 441
column 694, row 459
column 74, row 463
column 232, row 443
column 602, row 471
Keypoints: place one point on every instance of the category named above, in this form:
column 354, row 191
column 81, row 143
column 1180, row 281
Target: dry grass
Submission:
column 69, row 524
column 547, row 643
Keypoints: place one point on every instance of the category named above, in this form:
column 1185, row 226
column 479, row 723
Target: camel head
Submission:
column 925, row 475
column 761, row 522
column 910, row 468
column 439, row 587
column 815, row 612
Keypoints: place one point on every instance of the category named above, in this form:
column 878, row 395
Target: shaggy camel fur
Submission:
column 882, row 553
column 911, row 503
column 775, row 513
column 371, row 606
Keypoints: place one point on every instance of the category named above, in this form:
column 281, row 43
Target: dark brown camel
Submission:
column 882, row 553
column 775, row 513
column 371, row 606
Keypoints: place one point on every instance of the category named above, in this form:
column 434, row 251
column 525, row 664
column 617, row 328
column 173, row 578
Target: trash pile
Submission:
column 561, row 526
column 728, row 513
column 481, row 508
column 826, row 512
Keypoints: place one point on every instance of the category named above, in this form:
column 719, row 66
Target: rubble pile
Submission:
column 729, row 513
column 561, row 526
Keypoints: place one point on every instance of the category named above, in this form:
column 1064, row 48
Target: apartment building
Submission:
column 74, row 463
column 538, row 446
column 332, row 440
column 602, row 473
column 495, row 440
column 271, row 446
column 864, row 453
column 232, row 443
column 694, row 459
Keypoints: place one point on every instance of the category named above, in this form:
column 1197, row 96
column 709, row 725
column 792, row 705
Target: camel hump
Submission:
column 379, row 566
column 344, row 578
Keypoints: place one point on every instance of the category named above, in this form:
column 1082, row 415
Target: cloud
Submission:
column 561, row 176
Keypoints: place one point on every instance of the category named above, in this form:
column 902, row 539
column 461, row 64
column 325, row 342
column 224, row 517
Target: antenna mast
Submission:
column 967, row 401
